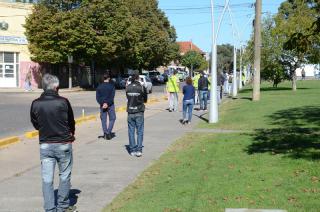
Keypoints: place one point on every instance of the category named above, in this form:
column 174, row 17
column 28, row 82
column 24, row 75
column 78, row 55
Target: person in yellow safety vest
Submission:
column 243, row 79
column 173, row 87
column 195, row 80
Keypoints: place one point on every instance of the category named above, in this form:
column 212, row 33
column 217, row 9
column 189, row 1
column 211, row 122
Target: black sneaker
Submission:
column 107, row 136
column 71, row 209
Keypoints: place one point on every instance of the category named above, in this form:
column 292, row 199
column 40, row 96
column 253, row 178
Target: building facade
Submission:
column 15, row 60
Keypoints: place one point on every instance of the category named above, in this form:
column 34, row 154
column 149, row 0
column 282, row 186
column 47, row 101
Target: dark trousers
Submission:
column 104, row 113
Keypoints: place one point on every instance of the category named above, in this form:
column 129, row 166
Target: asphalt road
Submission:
column 15, row 107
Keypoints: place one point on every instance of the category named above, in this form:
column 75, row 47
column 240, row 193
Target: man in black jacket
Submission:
column 105, row 97
column 52, row 115
column 203, row 87
column 137, row 96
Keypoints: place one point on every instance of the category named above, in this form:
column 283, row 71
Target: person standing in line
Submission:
column 188, row 101
column 173, row 89
column 52, row 115
column 27, row 85
column 303, row 74
column 243, row 79
column 203, row 85
column 137, row 96
column 105, row 97
column 226, row 82
column 230, row 79
column 195, row 85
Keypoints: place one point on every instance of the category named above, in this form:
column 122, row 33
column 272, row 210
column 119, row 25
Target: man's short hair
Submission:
column 135, row 77
column 50, row 82
column 106, row 76
column 175, row 72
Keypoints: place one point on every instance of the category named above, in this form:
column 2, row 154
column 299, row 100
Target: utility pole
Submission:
column 213, row 113
column 234, row 79
column 257, row 52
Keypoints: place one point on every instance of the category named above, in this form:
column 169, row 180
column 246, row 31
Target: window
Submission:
column 8, row 57
column 1, row 71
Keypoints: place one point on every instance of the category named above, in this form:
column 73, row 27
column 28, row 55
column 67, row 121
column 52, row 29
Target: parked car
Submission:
column 145, row 81
column 156, row 77
column 182, row 75
column 119, row 82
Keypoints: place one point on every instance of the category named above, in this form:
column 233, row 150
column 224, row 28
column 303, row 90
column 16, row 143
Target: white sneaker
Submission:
column 138, row 154
column 133, row 153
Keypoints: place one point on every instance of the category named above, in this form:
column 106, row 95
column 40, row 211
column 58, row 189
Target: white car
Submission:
column 146, row 82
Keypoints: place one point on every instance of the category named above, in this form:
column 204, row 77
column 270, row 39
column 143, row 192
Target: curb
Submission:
column 7, row 141
column 32, row 134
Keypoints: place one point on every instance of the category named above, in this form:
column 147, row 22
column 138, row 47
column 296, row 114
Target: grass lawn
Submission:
column 272, row 164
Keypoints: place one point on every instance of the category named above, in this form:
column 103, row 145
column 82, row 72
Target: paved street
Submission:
column 14, row 107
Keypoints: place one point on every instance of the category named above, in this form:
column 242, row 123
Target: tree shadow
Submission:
column 297, row 134
column 249, row 90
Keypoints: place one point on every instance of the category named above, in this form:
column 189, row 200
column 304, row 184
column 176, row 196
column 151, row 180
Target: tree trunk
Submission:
column 294, row 81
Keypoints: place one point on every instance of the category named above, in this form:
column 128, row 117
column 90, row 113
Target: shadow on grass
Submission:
column 249, row 90
column 297, row 135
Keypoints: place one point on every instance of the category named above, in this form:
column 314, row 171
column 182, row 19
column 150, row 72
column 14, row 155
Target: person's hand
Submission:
column 105, row 106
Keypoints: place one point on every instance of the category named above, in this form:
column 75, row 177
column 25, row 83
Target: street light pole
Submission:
column 234, row 79
column 213, row 115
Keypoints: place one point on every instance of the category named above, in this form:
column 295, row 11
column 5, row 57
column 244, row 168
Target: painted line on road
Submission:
column 35, row 133
column 8, row 141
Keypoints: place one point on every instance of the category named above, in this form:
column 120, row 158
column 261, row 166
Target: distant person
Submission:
column 195, row 85
column 243, row 79
column 203, row 86
column 230, row 83
column 105, row 97
column 173, row 90
column 188, row 101
column 137, row 96
column 303, row 74
column 27, row 81
column 52, row 115
column 226, row 82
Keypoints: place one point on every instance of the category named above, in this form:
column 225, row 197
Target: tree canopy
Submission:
column 117, row 33
column 194, row 60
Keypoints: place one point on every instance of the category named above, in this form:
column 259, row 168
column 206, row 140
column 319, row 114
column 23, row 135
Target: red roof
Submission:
column 186, row 46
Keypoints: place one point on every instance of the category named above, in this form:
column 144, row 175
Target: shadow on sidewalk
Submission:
column 297, row 134
column 73, row 196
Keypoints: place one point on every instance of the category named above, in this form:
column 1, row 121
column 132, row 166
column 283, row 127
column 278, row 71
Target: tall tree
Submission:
column 116, row 33
column 194, row 60
column 294, row 16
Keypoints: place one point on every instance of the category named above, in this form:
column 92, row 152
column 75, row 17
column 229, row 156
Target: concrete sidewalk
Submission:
column 102, row 169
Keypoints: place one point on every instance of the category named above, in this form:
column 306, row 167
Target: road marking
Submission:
column 9, row 140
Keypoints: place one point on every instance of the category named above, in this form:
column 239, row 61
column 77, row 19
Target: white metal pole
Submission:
column 213, row 113
column 240, row 74
column 234, row 79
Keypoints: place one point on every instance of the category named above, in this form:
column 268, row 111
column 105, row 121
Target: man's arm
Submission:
column 71, row 121
column 33, row 117
column 98, row 96
column 145, row 94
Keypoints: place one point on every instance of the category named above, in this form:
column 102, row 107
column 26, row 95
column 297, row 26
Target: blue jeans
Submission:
column 135, row 122
column 50, row 154
column 203, row 100
column 187, row 108
column 104, row 113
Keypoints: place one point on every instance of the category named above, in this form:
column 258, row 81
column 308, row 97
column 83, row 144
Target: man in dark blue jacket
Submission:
column 105, row 97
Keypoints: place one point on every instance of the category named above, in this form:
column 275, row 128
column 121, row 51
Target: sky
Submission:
column 192, row 20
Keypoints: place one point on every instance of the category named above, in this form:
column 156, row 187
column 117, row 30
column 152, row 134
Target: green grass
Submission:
column 274, row 163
